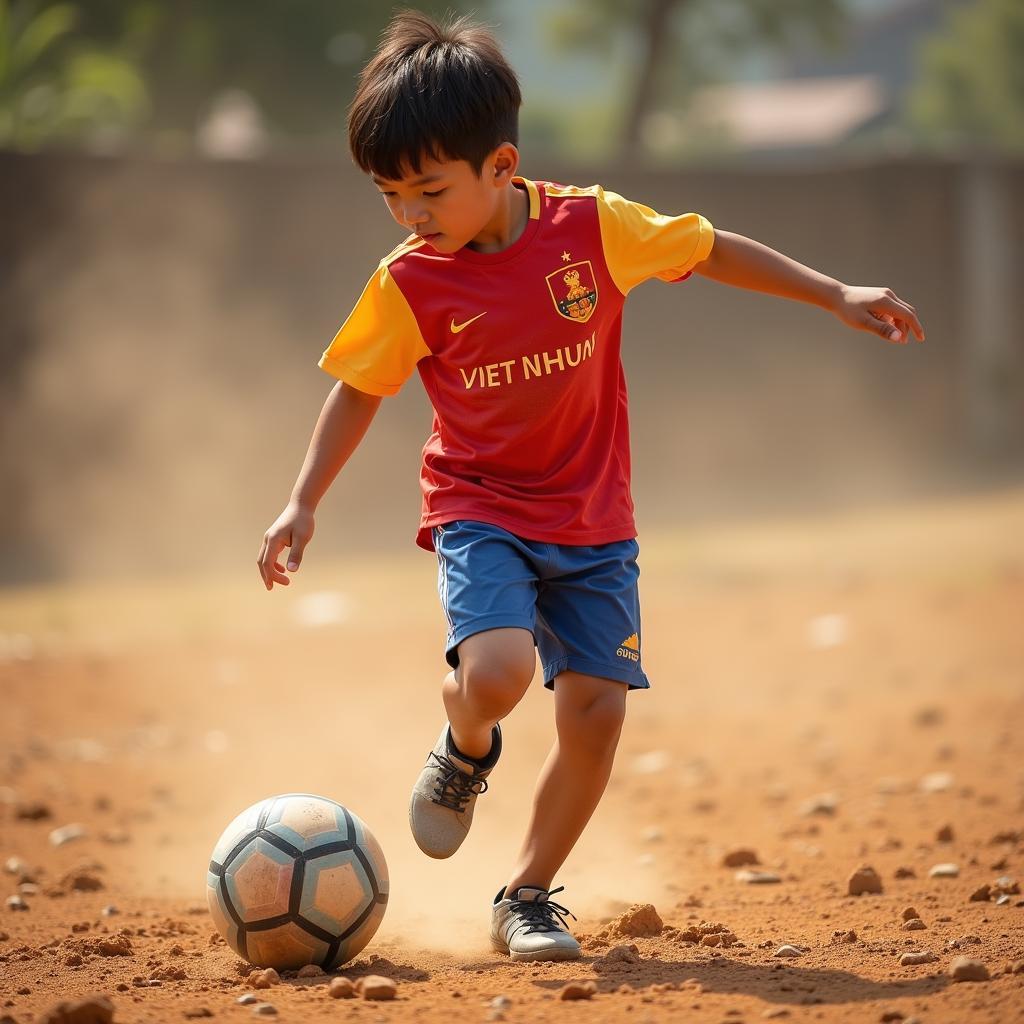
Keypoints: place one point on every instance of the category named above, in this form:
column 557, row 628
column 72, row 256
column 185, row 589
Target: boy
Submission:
column 507, row 297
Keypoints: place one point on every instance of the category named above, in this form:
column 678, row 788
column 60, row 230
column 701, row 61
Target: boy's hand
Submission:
column 880, row 311
column 292, row 529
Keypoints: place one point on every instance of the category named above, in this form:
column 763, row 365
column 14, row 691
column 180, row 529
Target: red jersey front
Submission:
column 518, row 351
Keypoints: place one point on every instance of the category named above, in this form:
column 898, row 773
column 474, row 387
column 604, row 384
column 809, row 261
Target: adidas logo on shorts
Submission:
column 630, row 648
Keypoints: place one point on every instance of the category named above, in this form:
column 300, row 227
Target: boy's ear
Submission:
column 504, row 162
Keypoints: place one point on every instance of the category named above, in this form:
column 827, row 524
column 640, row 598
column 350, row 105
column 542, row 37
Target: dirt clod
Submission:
column 92, row 1010
column 640, row 920
column 578, row 990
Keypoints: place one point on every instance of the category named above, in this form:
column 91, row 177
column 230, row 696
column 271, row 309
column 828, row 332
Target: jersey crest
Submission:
column 573, row 291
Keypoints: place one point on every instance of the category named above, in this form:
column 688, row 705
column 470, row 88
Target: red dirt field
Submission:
column 827, row 694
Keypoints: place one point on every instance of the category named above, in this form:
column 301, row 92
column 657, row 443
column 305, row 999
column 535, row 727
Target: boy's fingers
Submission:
column 268, row 557
column 906, row 317
column 295, row 555
column 883, row 325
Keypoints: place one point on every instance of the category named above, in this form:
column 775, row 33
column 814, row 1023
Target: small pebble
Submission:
column 964, row 968
column 341, row 988
column 864, row 879
column 110, row 910
column 310, row 971
column 377, row 987
column 824, row 805
column 628, row 954
column 904, row 872
column 913, row 959
column 1002, row 901
column 67, row 834
column 758, row 877
column 265, row 1010
column 936, row 782
column 33, row 811
column 500, row 1003
column 578, row 990
column 247, row 999
column 914, row 924
column 739, row 858
column 945, row 834
column 980, row 895
column 841, row 937
column 264, row 979
column 908, row 913
column 775, row 1011
column 944, row 871
column 891, row 1016
column 16, row 903
column 789, row 951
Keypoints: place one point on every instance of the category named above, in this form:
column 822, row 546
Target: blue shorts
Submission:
column 581, row 603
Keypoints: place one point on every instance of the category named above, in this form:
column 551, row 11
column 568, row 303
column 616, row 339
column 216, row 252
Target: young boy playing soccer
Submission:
column 507, row 298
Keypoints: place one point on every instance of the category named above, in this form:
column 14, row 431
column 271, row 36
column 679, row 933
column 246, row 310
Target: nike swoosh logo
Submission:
column 461, row 327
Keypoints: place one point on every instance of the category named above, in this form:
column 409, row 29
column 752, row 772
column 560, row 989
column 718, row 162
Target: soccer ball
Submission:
column 297, row 879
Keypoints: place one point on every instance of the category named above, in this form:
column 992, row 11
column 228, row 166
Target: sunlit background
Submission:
column 183, row 231
column 832, row 527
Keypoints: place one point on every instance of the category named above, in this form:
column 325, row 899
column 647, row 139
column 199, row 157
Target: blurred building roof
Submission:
column 820, row 97
column 794, row 112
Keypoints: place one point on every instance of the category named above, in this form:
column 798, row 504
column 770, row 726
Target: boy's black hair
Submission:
column 431, row 90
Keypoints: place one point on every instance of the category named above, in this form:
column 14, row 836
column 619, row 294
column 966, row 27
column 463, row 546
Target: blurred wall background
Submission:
column 182, row 232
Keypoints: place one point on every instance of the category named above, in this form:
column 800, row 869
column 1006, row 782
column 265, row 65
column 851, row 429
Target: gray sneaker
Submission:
column 441, row 808
column 529, row 926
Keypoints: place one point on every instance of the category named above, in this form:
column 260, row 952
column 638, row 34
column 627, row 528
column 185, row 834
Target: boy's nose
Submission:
column 414, row 217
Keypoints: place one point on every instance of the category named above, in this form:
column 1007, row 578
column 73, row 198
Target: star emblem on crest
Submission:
column 566, row 256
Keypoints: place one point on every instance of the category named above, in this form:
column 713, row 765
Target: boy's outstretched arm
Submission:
column 343, row 421
column 748, row 264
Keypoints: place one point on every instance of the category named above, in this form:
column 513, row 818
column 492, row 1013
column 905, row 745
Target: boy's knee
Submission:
column 495, row 677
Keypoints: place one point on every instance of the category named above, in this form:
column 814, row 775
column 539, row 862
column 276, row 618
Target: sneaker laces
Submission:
column 455, row 787
column 543, row 915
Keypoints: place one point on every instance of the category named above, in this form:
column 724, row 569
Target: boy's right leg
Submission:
column 494, row 672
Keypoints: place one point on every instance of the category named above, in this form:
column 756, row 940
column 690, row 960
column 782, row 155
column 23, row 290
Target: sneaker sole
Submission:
column 435, row 854
column 555, row 953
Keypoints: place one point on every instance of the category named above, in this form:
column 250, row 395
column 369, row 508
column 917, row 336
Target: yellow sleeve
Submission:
column 379, row 345
column 640, row 243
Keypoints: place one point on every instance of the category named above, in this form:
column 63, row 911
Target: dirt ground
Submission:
column 826, row 694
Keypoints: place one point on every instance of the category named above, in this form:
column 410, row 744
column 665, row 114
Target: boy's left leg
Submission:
column 589, row 712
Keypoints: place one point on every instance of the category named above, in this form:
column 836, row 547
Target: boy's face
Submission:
column 446, row 203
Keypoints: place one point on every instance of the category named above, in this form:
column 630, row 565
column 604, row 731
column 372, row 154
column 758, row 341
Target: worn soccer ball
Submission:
column 297, row 879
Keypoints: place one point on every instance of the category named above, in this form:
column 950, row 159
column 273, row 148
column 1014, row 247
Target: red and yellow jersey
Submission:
column 518, row 351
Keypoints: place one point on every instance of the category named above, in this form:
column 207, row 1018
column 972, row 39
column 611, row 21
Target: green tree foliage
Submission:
column 54, row 86
column 298, row 59
column 970, row 89
column 681, row 43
